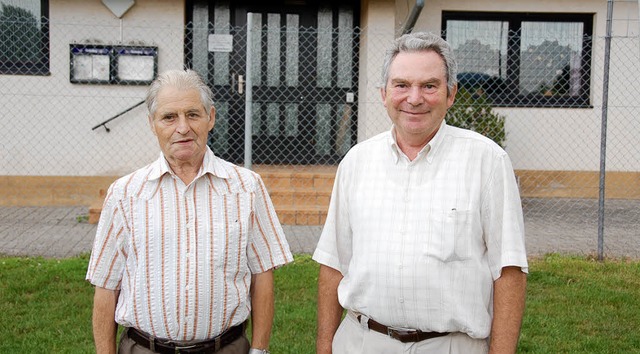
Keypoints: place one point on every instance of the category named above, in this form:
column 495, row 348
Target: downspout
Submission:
column 413, row 17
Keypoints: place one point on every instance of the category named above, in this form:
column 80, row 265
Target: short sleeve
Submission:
column 334, row 248
column 107, row 261
column 503, row 219
column 268, row 247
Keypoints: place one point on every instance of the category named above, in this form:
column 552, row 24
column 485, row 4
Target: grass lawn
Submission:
column 574, row 305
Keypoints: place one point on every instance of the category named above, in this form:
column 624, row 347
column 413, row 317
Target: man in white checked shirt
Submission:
column 424, row 240
column 186, row 246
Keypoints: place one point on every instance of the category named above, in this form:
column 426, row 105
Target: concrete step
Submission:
column 300, row 194
column 296, row 215
column 299, row 197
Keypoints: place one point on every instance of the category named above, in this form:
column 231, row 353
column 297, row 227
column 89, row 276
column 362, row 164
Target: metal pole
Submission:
column 248, row 98
column 603, row 133
column 412, row 17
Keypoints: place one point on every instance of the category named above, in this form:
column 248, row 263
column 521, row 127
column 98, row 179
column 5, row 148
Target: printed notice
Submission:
column 221, row 43
column 136, row 68
column 91, row 67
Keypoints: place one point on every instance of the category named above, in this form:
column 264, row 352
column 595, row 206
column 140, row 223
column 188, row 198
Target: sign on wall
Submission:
column 112, row 65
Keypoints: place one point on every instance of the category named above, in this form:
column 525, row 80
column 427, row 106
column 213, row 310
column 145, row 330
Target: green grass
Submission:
column 574, row 305
column 45, row 306
column 577, row 305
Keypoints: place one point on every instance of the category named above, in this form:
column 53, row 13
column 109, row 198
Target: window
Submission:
column 523, row 59
column 24, row 37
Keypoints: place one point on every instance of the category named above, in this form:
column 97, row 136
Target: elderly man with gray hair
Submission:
column 424, row 241
column 186, row 246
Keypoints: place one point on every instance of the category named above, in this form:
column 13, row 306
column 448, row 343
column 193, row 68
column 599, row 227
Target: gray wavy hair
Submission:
column 181, row 79
column 418, row 42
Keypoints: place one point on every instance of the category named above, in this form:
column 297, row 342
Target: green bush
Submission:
column 474, row 112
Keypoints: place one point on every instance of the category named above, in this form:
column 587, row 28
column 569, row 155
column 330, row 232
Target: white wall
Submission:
column 50, row 119
column 378, row 28
column 45, row 116
column 569, row 139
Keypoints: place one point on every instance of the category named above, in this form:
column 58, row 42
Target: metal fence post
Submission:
column 603, row 133
column 248, row 98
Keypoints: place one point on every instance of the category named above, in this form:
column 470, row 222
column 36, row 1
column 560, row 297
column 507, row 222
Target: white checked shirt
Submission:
column 419, row 243
column 182, row 256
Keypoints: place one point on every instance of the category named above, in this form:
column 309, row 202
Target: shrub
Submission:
column 474, row 112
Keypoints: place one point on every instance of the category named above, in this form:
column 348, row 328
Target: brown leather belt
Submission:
column 402, row 334
column 158, row 345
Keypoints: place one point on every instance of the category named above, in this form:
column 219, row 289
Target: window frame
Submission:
column 514, row 20
column 39, row 67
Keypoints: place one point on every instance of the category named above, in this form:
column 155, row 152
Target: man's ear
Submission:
column 452, row 96
column 212, row 118
column 151, row 125
column 383, row 95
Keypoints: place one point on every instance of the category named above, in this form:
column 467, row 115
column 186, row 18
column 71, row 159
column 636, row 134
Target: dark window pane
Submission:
column 523, row 59
column 551, row 57
column 24, row 38
column 481, row 51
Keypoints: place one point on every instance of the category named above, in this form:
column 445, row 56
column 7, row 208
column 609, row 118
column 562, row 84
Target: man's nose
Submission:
column 414, row 96
column 183, row 124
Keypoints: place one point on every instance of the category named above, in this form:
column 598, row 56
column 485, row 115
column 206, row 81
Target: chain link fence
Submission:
column 314, row 94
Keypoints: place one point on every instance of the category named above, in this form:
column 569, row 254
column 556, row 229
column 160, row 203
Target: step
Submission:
column 287, row 214
column 300, row 194
column 308, row 215
column 280, row 180
column 95, row 208
column 299, row 197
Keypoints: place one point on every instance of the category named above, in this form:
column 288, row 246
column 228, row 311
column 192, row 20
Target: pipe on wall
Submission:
column 413, row 17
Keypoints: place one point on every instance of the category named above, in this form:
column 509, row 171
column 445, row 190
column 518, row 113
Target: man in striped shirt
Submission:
column 185, row 248
column 424, row 239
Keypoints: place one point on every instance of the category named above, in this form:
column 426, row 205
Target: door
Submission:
column 303, row 77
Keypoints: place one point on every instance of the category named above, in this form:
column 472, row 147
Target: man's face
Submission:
column 415, row 95
column 181, row 125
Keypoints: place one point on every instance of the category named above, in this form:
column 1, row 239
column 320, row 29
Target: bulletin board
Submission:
column 112, row 65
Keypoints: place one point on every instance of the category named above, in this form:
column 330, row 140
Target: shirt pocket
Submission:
column 229, row 241
column 449, row 234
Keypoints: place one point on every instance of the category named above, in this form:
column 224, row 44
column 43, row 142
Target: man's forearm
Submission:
column 329, row 309
column 104, row 324
column 262, row 309
column 508, row 309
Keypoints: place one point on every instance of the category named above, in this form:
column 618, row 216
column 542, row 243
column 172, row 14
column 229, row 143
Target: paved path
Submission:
column 61, row 231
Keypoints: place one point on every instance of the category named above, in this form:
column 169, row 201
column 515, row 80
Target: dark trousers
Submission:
column 128, row 346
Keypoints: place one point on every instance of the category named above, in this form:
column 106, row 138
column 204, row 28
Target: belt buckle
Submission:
column 397, row 332
column 178, row 348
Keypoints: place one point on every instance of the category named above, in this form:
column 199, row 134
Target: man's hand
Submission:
column 329, row 309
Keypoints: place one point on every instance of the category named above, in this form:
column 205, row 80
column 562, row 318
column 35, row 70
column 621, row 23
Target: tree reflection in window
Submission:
column 24, row 42
column 523, row 59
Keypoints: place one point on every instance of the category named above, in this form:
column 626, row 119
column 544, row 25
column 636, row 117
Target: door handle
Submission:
column 241, row 84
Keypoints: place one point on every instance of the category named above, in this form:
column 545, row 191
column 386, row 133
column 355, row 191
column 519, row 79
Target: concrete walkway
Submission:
column 63, row 232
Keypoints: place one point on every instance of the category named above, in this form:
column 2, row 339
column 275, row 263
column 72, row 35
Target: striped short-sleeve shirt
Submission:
column 181, row 255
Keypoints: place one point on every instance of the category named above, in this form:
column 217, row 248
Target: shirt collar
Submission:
column 210, row 164
column 429, row 149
